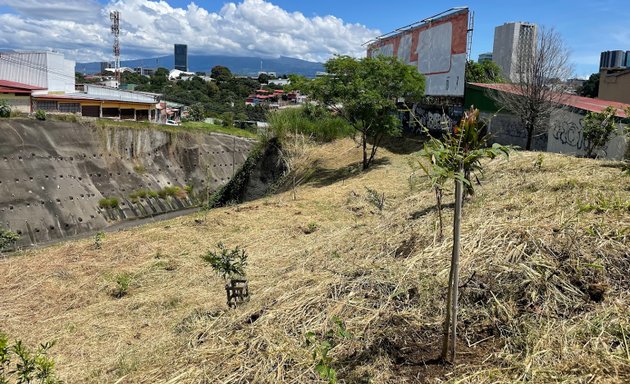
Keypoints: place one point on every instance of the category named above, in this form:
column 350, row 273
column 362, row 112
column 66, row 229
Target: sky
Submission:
column 311, row 30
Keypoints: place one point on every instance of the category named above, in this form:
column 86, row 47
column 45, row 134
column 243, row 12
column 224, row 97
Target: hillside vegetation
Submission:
column 545, row 293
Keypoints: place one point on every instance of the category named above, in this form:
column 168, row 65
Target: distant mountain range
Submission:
column 203, row 63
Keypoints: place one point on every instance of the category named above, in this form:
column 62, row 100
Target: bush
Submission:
column 5, row 109
column 109, row 202
column 122, row 280
column 226, row 262
column 20, row 365
column 598, row 127
column 40, row 115
column 312, row 121
column 7, row 238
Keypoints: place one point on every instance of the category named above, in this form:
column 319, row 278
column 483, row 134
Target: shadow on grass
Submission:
column 322, row 177
column 423, row 212
column 404, row 145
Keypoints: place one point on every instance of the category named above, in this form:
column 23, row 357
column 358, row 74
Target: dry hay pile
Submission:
column 545, row 287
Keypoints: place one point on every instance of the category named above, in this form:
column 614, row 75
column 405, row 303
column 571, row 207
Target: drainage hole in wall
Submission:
column 66, row 225
column 36, row 230
column 51, row 227
column 59, row 201
column 19, row 232
column 11, row 207
column 80, row 220
column 71, row 198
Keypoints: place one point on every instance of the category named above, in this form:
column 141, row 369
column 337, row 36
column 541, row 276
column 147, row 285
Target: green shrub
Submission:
column 5, row 109
column 123, row 281
column 227, row 263
column 152, row 194
column 40, row 115
column 18, row 364
column 140, row 193
column 312, row 121
column 7, row 238
column 98, row 240
column 109, row 202
column 598, row 127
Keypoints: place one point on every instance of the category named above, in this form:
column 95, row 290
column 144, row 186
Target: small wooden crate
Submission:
column 237, row 292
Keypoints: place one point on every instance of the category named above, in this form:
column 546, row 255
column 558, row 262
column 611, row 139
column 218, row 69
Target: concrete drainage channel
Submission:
column 66, row 179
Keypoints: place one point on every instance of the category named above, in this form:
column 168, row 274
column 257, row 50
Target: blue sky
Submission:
column 292, row 27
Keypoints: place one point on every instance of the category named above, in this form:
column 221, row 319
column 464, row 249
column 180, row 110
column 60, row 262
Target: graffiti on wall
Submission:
column 568, row 133
column 431, row 120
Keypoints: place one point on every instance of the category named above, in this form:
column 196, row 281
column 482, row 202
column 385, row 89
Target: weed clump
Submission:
column 109, row 202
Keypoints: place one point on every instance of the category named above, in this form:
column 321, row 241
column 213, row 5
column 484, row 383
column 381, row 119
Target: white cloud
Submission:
column 249, row 28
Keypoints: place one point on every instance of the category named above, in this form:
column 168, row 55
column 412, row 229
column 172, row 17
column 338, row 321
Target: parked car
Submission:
column 171, row 122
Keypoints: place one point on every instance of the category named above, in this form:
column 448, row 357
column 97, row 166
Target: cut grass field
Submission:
column 545, row 291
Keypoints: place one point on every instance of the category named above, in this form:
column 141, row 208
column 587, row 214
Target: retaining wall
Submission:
column 53, row 174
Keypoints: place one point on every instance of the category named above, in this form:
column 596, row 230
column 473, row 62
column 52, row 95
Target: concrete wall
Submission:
column 564, row 135
column 615, row 86
column 18, row 103
column 53, row 174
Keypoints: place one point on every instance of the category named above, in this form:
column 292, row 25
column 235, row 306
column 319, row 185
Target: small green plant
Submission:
column 310, row 228
column 538, row 162
column 5, row 109
column 7, row 238
column 376, row 199
column 322, row 347
column 139, row 169
column 98, row 240
column 122, row 281
column 20, row 365
column 40, row 115
column 227, row 263
column 152, row 194
column 109, row 202
column 602, row 204
column 188, row 188
column 139, row 194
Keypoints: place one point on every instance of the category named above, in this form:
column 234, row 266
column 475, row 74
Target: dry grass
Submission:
column 546, row 293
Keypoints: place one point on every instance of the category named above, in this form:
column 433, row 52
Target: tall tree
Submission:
column 221, row 73
column 590, row 88
column 364, row 92
column 538, row 90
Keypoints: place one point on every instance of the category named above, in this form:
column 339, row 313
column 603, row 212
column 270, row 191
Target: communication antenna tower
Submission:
column 114, row 16
column 469, row 37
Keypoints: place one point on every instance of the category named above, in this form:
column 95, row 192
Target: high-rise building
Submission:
column 514, row 48
column 181, row 57
column 485, row 57
column 614, row 59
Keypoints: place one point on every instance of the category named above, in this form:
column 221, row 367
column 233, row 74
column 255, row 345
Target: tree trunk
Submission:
column 438, row 198
column 366, row 164
column 530, row 136
column 452, row 302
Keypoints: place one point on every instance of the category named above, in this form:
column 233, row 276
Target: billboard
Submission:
column 436, row 46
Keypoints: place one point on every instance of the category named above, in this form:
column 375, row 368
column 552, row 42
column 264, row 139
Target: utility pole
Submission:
column 114, row 16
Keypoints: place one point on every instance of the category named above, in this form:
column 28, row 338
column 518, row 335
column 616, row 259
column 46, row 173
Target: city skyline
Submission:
column 305, row 30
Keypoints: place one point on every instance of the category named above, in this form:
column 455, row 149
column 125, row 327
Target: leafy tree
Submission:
column 598, row 127
column 537, row 93
column 485, row 72
column 196, row 112
column 220, row 73
column 458, row 157
column 133, row 78
column 263, row 78
column 365, row 92
column 590, row 88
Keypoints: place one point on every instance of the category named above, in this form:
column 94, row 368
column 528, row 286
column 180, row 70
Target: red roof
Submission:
column 584, row 103
column 19, row 86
